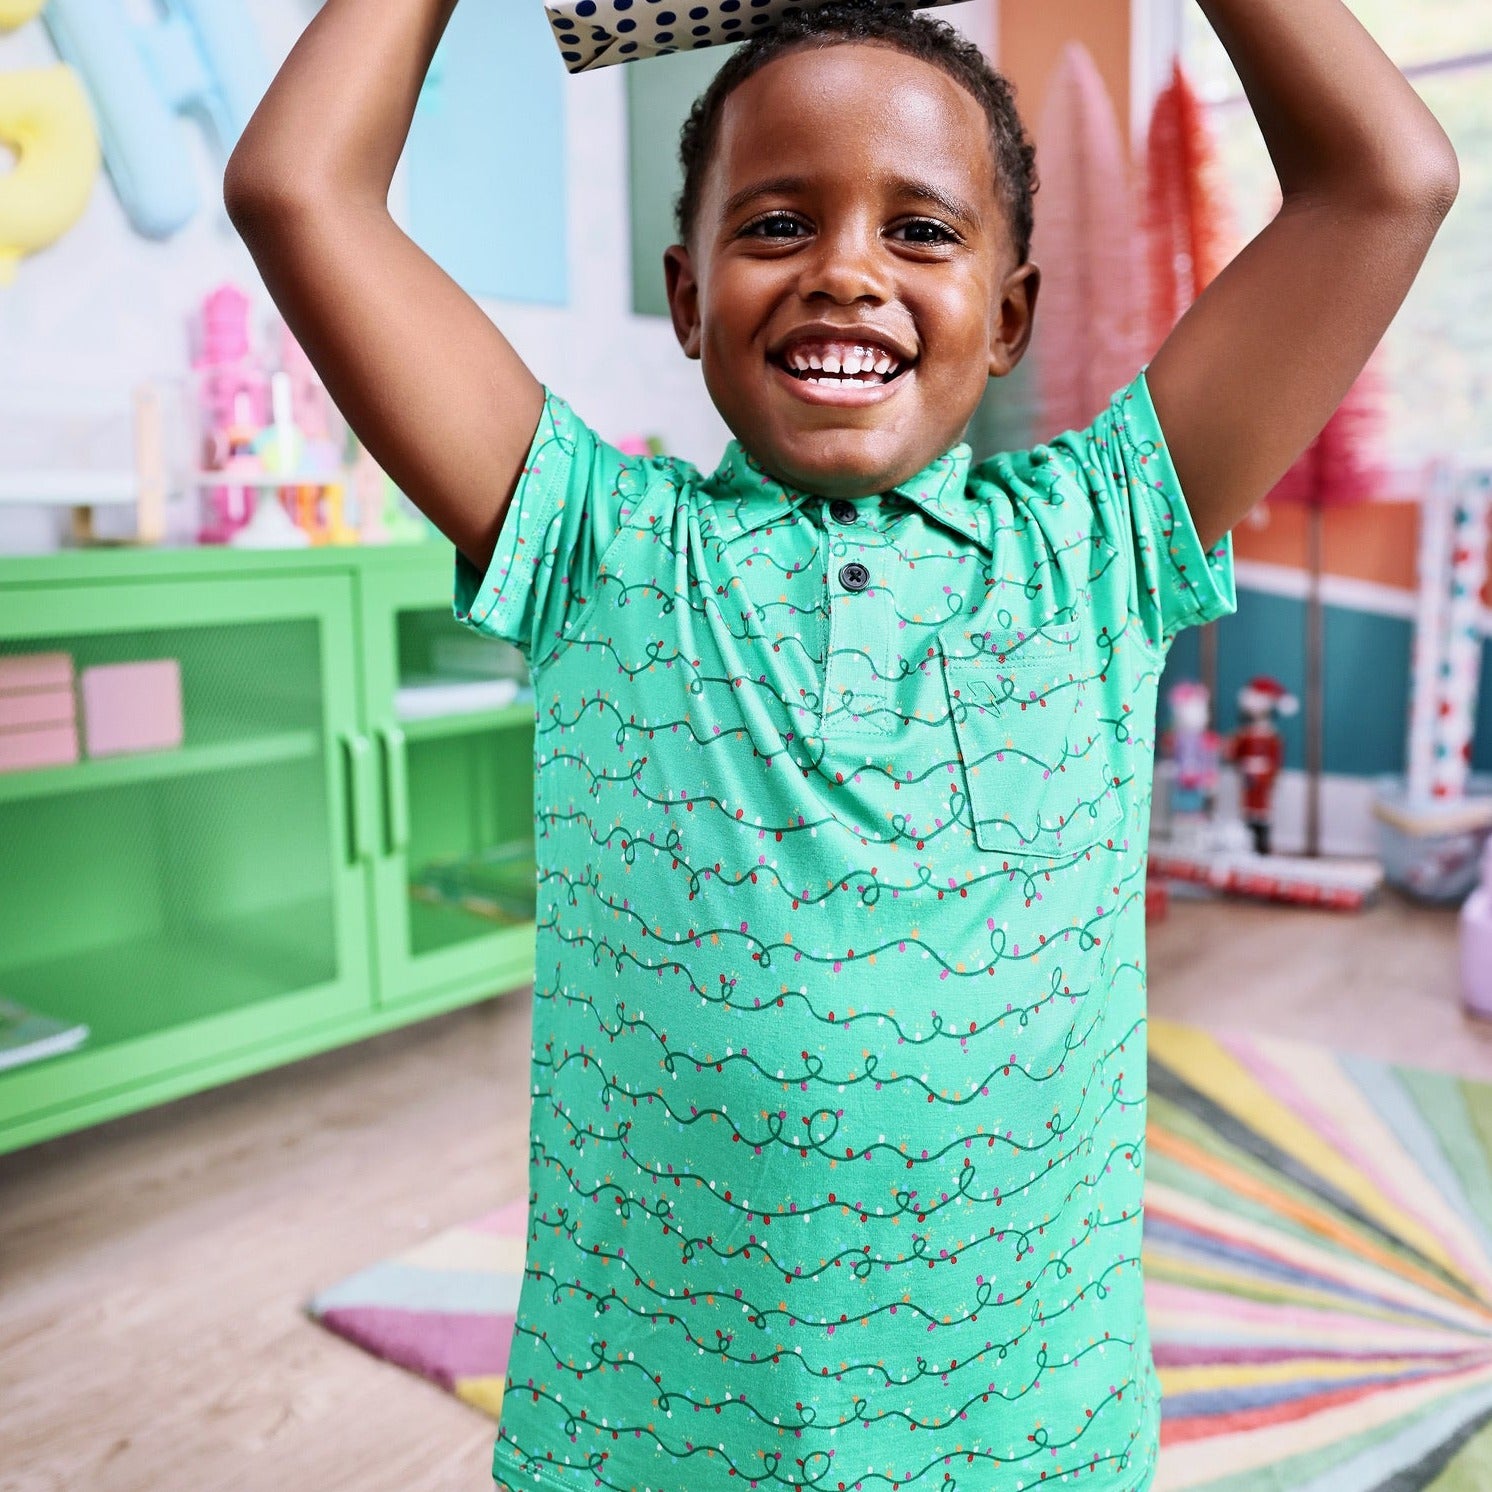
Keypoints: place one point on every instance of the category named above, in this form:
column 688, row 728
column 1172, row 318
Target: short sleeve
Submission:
column 551, row 549
column 1176, row 582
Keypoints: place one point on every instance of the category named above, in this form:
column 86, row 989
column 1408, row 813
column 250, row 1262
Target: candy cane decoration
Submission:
column 1434, row 569
column 1461, row 668
column 1447, row 640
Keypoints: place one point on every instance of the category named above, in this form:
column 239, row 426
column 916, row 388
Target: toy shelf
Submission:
column 203, row 755
column 519, row 715
column 305, row 869
column 177, row 978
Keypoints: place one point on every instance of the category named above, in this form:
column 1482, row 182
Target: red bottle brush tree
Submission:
column 1090, row 329
column 1188, row 220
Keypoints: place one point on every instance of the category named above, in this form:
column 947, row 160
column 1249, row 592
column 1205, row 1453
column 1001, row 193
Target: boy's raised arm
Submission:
column 431, row 387
column 1255, row 368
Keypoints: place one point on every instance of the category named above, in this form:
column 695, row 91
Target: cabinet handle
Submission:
column 395, row 786
column 357, row 758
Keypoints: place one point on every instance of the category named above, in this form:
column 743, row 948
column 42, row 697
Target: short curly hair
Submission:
column 918, row 35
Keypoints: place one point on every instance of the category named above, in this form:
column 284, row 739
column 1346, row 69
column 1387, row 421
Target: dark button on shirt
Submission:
column 854, row 576
column 842, row 511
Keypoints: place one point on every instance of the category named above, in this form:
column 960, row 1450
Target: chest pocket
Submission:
column 1035, row 758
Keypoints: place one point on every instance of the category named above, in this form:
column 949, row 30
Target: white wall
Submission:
column 104, row 308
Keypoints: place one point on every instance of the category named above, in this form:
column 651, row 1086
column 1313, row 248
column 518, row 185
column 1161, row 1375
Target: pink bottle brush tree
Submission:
column 1091, row 332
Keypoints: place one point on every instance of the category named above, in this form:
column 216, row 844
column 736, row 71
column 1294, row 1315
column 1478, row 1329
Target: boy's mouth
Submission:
column 842, row 363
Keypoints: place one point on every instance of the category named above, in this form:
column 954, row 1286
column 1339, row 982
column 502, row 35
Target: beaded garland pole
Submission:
column 1318, row 1276
column 599, row 33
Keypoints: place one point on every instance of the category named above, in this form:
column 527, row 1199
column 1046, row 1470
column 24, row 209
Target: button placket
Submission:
column 857, row 690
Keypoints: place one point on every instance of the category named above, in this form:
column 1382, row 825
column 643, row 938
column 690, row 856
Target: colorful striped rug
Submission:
column 1318, row 1258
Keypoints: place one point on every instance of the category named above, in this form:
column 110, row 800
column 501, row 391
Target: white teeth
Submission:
column 843, row 364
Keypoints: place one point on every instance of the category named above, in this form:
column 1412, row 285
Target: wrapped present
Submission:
column 597, row 33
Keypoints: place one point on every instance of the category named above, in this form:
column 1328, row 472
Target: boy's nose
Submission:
column 847, row 267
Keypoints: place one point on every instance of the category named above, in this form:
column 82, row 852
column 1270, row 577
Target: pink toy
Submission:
column 234, row 392
column 130, row 707
column 52, row 746
column 310, row 407
column 36, row 671
column 38, row 712
column 25, row 709
column 227, row 362
column 1476, row 943
column 1194, row 748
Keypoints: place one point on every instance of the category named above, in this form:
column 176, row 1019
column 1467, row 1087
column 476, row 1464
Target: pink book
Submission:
column 51, row 746
column 130, row 707
column 36, row 671
column 27, row 708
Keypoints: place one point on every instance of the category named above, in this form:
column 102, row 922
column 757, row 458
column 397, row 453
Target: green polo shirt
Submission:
column 838, row 1078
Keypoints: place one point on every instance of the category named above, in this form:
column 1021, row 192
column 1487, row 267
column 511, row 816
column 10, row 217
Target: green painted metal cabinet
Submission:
column 312, row 864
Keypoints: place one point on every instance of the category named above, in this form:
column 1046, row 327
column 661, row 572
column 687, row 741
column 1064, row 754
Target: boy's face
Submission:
column 850, row 203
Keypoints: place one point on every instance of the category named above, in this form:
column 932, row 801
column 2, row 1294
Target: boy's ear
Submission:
column 1017, row 318
column 683, row 297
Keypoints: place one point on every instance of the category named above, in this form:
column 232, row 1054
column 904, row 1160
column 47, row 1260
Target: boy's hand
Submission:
column 429, row 384
column 1256, row 367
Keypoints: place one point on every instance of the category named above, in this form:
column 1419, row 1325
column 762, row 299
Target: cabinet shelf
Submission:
column 432, row 727
column 171, row 977
column 202, row 755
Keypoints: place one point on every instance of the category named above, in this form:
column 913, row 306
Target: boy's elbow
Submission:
column 258, row 197
column 247, row 189
column 1444, row 180
column 1427, row 183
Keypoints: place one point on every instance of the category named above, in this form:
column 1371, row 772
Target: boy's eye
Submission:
column 925, row 231
column 775, row 225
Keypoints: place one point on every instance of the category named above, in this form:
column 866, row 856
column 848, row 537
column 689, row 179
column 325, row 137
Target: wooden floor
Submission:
column 152, row 1271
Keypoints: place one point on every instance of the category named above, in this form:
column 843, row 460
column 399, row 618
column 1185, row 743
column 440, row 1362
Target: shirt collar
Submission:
column 747, row 496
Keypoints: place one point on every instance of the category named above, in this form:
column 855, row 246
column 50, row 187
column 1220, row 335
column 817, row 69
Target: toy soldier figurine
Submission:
column 1259, row 752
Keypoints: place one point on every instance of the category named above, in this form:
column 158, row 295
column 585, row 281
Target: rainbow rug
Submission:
column 1318, row 1258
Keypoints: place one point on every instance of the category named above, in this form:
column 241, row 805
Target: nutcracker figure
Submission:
column 1259, row 752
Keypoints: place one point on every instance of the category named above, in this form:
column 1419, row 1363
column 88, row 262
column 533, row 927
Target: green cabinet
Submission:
column 456, row 784
column 314, row 862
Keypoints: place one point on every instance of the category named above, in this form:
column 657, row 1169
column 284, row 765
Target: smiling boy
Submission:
column 843, row 751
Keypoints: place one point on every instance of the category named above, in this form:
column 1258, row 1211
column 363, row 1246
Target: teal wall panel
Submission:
column 1367, row 691
column 486, row 155
column 660, row 93
column 1267, row 635
column 1367, row 680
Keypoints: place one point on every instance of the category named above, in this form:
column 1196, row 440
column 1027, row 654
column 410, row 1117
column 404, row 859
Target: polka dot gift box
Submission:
column 596, row 33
